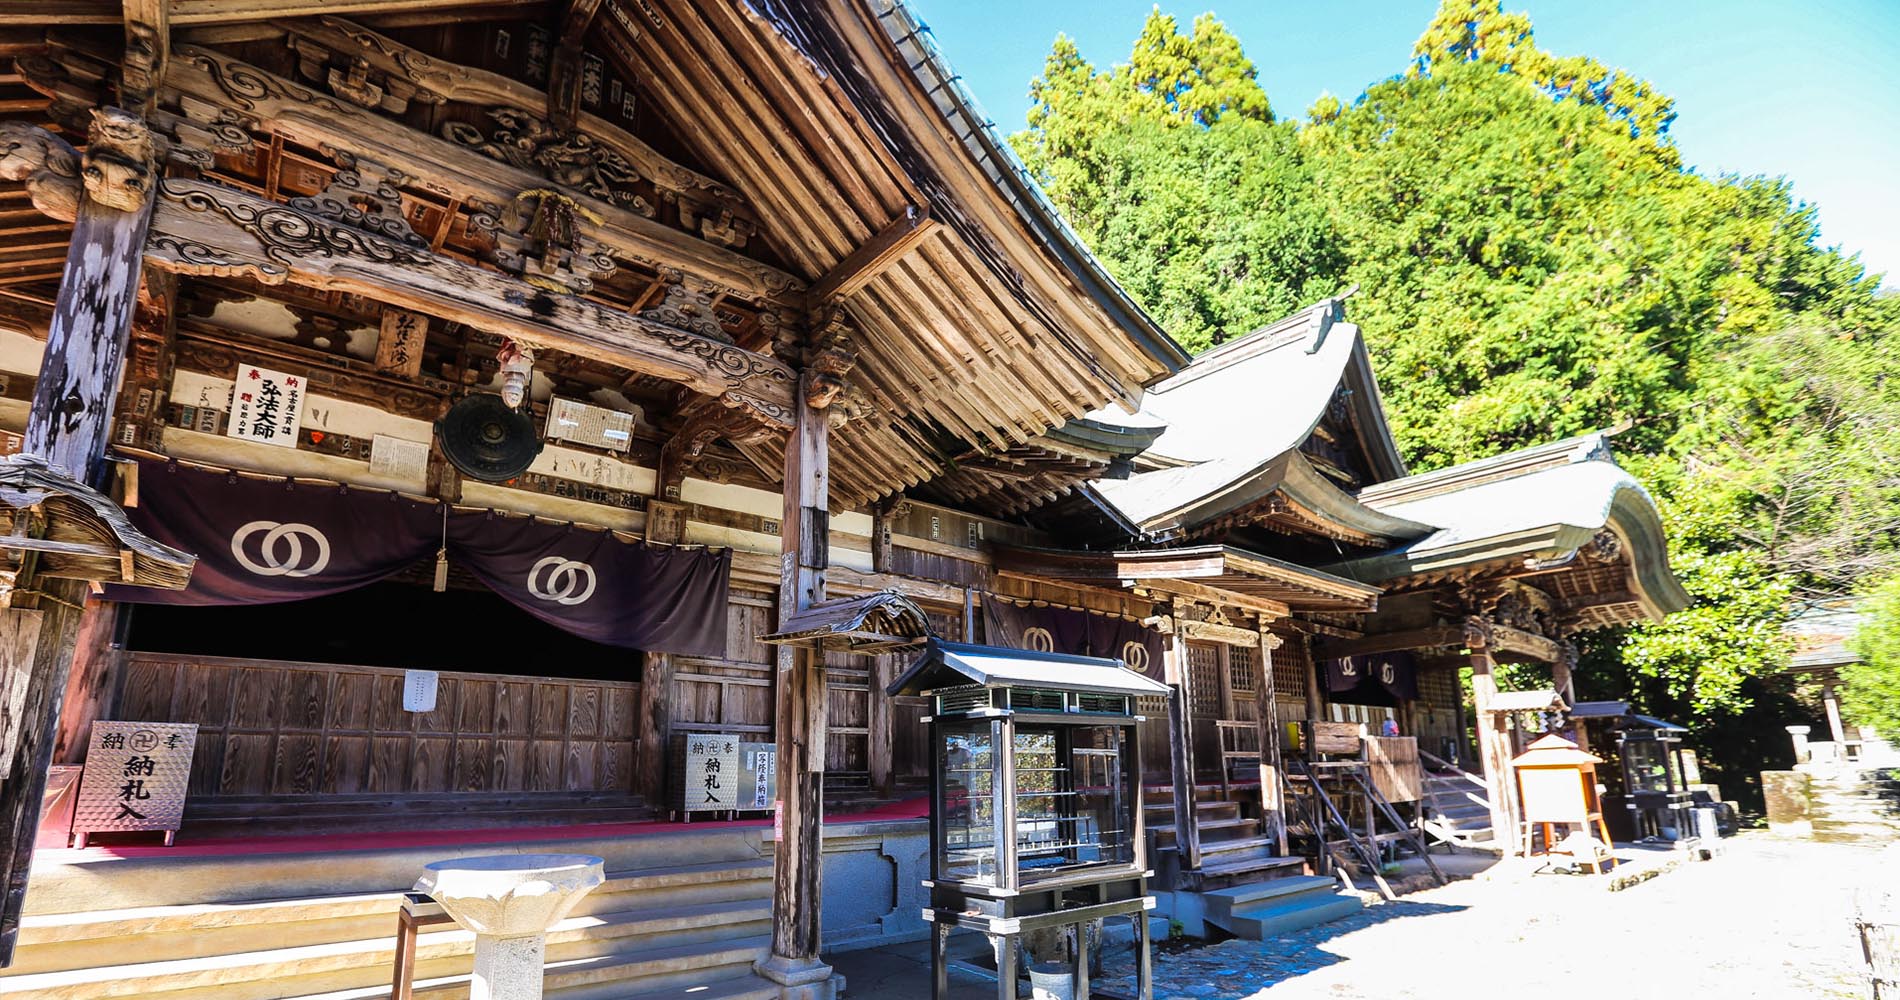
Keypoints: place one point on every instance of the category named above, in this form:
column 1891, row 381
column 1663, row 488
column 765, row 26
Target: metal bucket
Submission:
column 1052, row 981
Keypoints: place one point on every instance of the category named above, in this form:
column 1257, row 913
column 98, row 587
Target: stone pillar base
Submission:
column 801, row 978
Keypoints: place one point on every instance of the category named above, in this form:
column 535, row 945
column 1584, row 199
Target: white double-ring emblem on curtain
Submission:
column 281, row 553
column 1039, row 639
column 1135, row 656
column 1386, row 673
column 1347, row 668
column 563, row 581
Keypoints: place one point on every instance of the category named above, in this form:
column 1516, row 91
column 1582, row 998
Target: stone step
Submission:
column 1278, row 906
column 1296, row 914
column 79, row 881
column 1856, row 833
column 1248, row 867
column 1213, row 851
column 57, row 942
column 1222, row 902
column 626, row 937
column 716, row 971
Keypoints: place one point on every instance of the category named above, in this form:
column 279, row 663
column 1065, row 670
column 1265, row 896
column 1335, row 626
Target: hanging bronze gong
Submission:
column 486, row 439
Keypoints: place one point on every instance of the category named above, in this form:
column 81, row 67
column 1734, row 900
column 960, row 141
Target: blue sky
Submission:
column 1807, row 89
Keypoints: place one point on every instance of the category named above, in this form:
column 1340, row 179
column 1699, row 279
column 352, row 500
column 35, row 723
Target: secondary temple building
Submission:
column 463, row 413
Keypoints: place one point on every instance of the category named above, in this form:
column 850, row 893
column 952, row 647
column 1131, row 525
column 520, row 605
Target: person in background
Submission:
column 1389, row 728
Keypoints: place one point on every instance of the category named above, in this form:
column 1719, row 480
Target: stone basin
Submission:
column 511, row 894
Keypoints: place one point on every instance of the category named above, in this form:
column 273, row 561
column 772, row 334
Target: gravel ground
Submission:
column 1770, row 919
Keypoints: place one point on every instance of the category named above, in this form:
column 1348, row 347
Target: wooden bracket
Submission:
column 147, row 50
column 564, row 73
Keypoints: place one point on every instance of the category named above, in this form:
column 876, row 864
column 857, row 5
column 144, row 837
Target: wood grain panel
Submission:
column 352, row 699
column 312, row 729
column 346, row 765
column 545, row 762
column 206, row 761
column 245, row 769
column 297, row 767
column 258, row 698
column 621, row 706
column 550, row 710
column 389, row 764
column 514, row 709
column 471, row 764
column 148, row 693
column 581, row 766
column 442, row 718
column 583, row 712
column 386, row 714
column 430, row 765
column 476, row 711
column 510, row 769
column 304, row 694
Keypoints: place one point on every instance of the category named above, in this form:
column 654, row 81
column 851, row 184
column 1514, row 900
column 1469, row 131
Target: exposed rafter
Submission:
column 39, row 13
column 896, row 239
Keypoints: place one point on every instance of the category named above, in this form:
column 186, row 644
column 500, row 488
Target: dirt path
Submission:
column 1768, row 920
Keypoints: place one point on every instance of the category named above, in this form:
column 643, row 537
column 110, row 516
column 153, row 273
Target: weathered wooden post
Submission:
column 67, row 428
column 1187, row 835
column 1493, row 754
column 804, row 546
column 1267, row 714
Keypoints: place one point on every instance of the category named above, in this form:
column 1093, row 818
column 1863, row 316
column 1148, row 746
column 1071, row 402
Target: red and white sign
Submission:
column 266, row 406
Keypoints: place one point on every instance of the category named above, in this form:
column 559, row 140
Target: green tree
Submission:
column 1533, row 261
column 1871, row 687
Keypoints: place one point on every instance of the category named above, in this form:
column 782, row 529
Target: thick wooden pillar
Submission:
column 797, row 875
column 67, row 427
column 1493, row 749
column 878, row 722
column 1187, row 836
column 1267, row 714
column 656, row 728
column 93, row 680
column 1315, row 702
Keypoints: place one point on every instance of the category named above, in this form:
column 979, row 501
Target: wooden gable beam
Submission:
column 40, row 13
column 212, row 85
column 208, row 229
column 877, row 253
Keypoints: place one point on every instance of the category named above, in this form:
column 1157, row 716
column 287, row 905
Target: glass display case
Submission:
column 1035, row 801
column 1654, row 790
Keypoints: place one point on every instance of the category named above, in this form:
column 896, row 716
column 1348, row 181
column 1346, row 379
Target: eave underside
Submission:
column 969, row 337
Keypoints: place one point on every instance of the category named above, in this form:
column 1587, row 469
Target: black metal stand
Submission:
column 1004, row 941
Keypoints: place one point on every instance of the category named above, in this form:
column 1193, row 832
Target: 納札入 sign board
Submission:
column 136, row 777
column 712, row 773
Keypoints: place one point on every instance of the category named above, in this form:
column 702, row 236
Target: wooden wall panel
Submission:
column 733, row 693
column 313, row 729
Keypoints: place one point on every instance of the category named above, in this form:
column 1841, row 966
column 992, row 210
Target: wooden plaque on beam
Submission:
column 399, row 349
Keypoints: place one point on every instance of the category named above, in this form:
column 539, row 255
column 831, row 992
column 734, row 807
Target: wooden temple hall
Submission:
column 445, row 427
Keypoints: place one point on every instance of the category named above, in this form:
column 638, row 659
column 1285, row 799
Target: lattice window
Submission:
column 1204, row 676
column 1438, row 687
column 1290, row 667
column 1242, row 668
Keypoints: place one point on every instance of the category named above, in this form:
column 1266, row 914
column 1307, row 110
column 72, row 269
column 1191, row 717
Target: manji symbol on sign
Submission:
column 135, row 779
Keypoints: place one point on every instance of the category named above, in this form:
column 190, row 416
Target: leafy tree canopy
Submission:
column 1533, row 262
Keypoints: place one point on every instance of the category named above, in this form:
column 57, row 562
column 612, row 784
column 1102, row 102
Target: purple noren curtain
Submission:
column 1378, row 679
column 261, row 541
column 1078, row 633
